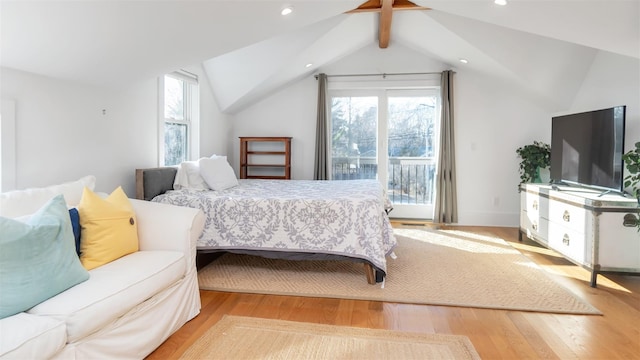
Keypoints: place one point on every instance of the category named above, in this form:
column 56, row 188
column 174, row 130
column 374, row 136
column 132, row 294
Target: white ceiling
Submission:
column 249, row 50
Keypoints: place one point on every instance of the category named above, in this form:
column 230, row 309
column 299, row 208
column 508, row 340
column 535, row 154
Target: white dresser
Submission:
column 595, row 231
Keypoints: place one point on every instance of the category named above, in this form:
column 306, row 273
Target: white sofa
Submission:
column 128, row 307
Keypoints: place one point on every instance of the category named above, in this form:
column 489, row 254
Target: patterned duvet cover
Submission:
column 344, row 218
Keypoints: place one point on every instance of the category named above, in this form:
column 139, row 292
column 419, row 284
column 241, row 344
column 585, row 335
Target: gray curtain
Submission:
column 320, row 166
column 446, row 206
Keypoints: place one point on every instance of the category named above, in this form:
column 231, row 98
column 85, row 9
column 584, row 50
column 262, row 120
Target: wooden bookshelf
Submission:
column 265, row 158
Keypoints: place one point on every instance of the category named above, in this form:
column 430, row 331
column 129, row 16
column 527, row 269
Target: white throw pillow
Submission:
column 217, row 173
column 24, row 202
column 188, row 177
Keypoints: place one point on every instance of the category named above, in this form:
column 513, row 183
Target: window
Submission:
column 354, row 137
column 389, row 134
column 179, row 115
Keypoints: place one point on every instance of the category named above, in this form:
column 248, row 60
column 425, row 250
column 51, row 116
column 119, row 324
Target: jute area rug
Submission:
column 435, row 267
column 236, row 337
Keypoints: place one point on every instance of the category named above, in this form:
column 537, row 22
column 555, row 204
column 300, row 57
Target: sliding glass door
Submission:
column 389, row 135
column 411, row 148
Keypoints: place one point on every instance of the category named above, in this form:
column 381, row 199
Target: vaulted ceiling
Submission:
column 249, row 50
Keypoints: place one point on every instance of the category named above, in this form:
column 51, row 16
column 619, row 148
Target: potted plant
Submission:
column 632, row 162
column 534, row 157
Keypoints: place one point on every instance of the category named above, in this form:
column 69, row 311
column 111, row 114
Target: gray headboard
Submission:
column 154, row 181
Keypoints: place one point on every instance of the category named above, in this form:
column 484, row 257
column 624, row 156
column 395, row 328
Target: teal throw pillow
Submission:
column 38, row 258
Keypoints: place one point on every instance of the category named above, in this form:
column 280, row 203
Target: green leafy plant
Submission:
column 632, row 162
column 534, row 157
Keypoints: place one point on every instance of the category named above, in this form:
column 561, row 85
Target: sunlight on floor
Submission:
column 604, row 281
column 578, row 273
column 491, row 244
column 460, row 240
column 530, row 264
column 536, row 249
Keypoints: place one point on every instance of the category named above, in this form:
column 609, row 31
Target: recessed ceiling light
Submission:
column 286, row 11
column 464, row 61
column 500, row 2
column 308, row 65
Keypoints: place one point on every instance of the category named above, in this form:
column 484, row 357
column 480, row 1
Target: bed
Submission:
column 287, row 219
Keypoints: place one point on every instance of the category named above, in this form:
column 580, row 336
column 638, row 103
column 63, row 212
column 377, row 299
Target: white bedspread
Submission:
column 345, row 218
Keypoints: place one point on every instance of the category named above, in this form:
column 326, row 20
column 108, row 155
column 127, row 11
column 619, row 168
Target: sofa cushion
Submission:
column 24, row 202
column 113, row 290
column 25, row 336
column 37, row 258
column 109, row 228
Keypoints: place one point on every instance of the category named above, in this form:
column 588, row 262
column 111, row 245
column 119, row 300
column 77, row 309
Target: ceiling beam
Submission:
column 375, row 6
column 386, row 9
column 386, row 14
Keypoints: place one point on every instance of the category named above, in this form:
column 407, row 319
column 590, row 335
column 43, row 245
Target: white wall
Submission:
column 62, row 133
column 7, row 145
column 215, row 128
column 493, row 119
column 613, row 80
column 289, row 112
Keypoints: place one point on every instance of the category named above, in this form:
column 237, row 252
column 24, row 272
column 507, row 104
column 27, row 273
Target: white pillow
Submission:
column 217, row 173
column 214, row 156
column 25, row 202
column 188, row 177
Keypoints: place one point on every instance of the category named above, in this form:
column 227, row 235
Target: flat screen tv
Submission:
column 587, row 148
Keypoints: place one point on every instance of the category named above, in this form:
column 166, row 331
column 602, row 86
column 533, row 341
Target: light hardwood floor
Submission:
column 496, row 334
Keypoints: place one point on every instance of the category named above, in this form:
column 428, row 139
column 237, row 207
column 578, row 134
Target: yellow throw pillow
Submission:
column 109, row 228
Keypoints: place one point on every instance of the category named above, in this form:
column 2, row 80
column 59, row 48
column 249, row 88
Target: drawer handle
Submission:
column 566, row 216
column 630, row 220
column 535, row 205
column 534, row 226
column 565, row 239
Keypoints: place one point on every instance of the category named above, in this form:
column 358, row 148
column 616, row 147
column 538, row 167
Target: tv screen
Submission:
column 587, row 148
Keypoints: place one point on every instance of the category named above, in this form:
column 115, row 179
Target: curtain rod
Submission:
column 383, row 74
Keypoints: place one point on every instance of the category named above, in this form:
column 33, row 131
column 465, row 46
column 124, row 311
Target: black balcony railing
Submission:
column 353, row 168
column 411, row 180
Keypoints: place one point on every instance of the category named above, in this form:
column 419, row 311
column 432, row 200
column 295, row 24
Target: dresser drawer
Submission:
column 534, row 226
column 534, row 204
column 568, row 242
column 572, row 217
